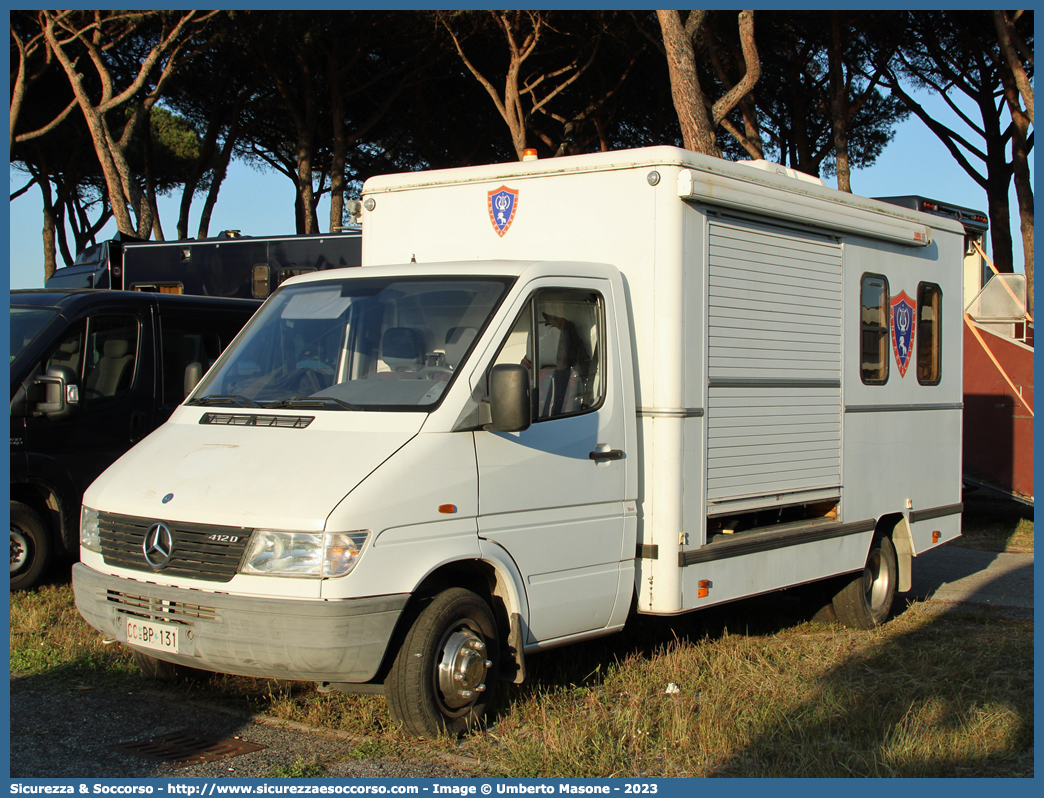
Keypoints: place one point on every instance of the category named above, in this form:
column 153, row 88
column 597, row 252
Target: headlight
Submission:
column 90, row 532
column 311, row 554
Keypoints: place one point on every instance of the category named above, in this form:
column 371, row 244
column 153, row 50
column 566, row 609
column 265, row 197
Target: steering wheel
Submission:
column 429, row 372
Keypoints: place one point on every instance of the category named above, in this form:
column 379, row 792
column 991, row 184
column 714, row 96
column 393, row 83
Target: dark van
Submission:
column 92, row 373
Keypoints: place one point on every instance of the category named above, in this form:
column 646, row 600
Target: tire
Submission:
column 817, row 600
column 163, row 671
column 443, row 677
column 30, row 547
column 866, row 599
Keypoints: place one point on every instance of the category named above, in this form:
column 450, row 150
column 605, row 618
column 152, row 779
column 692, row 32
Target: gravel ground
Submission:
column 68, row 734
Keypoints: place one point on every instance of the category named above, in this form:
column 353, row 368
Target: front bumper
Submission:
column 307, row 640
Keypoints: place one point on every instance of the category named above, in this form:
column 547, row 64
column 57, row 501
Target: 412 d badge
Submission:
column 904, row 320
column 502, row 204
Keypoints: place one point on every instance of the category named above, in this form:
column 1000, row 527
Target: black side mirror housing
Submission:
column 509, row 398
column 61, row 395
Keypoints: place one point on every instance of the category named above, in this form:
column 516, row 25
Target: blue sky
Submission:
column 262, row 203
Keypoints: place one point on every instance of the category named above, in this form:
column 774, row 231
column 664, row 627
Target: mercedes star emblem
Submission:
column 158, row 545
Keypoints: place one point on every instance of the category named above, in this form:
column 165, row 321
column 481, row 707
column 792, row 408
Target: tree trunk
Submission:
column 50, row 252
column 838, row 114
column 220, row 170
column 206, row 155
column 305, row 189
column 1000, row 220
column 689, row 101
column 1010, row 49
column 117, row 199
column 338, row 154
column 1020, row 148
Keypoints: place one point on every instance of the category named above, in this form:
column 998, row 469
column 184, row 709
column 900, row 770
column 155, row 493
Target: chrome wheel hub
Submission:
column 876, row 581
column 462, row 668
column 19, row 550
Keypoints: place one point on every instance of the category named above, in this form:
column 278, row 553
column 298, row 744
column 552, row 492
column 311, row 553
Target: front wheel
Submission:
column 866, row 600
column 443, row 677
column 30, row 547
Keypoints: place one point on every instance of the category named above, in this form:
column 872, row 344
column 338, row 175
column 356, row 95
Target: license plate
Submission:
column 148, row 634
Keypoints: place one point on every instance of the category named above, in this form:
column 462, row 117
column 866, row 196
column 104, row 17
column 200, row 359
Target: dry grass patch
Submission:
column 919, row 697
column 746, row 690
column 751, row 689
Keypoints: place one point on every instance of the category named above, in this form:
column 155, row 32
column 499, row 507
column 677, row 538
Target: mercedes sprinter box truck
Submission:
column 557, row 394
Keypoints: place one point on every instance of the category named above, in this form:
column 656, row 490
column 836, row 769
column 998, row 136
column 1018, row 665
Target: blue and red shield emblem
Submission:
column 904, row 319
column 502, row 204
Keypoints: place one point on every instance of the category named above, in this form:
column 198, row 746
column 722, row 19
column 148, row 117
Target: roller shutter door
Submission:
column 774, row 368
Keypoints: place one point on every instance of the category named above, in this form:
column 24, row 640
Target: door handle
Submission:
column 608, row 454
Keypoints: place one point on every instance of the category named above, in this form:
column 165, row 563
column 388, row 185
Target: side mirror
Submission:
column 509, row 401
column 193, row 374
column 61, row 395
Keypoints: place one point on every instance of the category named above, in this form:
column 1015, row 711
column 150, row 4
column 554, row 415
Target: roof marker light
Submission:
column 529, row 155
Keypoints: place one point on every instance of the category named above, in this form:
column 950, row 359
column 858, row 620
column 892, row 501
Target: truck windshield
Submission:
column 92, row 255
column 26, row 324
column 357, row 344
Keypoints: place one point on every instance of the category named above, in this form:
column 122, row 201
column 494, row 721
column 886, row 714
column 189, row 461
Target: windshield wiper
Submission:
column 223, row 399
column 313, row 401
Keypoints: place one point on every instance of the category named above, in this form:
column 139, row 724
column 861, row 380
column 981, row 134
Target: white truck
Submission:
column 642, row 381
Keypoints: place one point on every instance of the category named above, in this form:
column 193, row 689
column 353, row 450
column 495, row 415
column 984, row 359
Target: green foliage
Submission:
column 300, row 769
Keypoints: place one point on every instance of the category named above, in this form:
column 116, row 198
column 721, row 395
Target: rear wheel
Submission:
column 866, row 599
column 30, row 547
column 443, row 677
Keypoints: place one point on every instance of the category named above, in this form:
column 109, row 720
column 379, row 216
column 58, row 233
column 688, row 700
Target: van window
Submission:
column 559, row 338
column 109, row 359
column 69, row 351
column 929, row 334
column 187, row 340
column 873, row 338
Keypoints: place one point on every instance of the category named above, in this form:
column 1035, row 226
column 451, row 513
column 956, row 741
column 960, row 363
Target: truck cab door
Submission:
column 553, row 495
column 110, row 354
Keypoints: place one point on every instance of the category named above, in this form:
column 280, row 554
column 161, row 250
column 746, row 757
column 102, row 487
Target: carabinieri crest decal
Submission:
column 502, row 204
column 904, row 319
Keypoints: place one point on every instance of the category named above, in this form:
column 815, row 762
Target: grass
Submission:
column 758, row 690
column 300, row 769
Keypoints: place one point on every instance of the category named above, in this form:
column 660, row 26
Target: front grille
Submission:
column 156, row 609
column 200, row 551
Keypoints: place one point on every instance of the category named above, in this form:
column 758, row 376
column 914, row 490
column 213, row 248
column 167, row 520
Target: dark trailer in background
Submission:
column 227, row 266
column 95, row 267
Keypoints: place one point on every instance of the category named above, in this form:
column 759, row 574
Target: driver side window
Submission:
column 109, row 359
column 559, row 337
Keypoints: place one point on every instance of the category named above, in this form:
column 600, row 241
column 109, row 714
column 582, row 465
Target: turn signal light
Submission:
column 447, row 508
column 703, row 588
column 936, row 535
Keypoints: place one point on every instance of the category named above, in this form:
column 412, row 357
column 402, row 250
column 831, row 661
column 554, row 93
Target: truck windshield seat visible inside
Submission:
column 369, row 343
